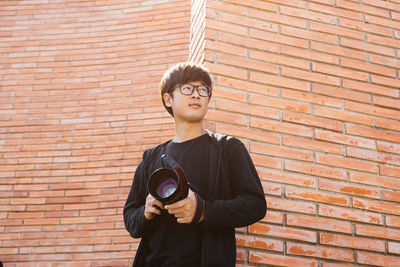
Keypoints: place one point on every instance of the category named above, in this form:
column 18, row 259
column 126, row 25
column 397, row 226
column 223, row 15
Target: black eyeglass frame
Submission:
column 194, row 87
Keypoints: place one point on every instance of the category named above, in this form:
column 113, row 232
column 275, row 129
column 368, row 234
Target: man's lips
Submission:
column 195, row 105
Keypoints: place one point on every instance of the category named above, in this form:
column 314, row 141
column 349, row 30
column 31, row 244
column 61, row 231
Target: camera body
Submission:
column 168, row 184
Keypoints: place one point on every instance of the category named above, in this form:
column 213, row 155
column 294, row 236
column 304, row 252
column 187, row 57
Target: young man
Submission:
column 225, row 191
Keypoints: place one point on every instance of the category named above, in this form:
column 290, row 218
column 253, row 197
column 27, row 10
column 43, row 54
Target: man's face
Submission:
column 188, row 107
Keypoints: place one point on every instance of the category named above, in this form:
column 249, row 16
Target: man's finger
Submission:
column 176, row 205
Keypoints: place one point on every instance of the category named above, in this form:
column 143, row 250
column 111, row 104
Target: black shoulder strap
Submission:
column 215, row 155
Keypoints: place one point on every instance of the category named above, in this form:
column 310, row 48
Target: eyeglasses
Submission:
column 188, row 89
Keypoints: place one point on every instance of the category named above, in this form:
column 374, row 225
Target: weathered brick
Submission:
column 320, row 252
column 350, row 214
column 376, row 259
column 348, row 189
column 344, row 241
column 270, row 259
column 318, row 223
column 286, row 232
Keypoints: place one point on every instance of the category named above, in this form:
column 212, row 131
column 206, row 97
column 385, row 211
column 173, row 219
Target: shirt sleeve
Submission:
column 135, row 222
column 246, row 202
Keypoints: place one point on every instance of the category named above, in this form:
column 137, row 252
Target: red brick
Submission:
column 389, row 171
column 278, row 59
column 279, row 81
column 259, row 243
column 343, row 115
column 377, row 232
column 320, row 252
column 352, row 242
column 341, row 93
column 247, row 22
column 248, row 42
column 277, row 18
column 376, row 259
column 312, row 145
column 350, row 214
column 310, row 76
column 289, row 205
column 310, row 35
column 386, row 61
column 339, row 51
column 241, row 132
column 318, row 223
column 319, row 27
column 270, row 259
column 315, row 196
column 386, row 102
column 363, row 8
column 247, row 86
column 372, row 110
column 394, row 248
column 280, row 127
column 236, row 7
column 387, row 124
column 277, row 38
column 339, row 71
column 311, row 98
column 314, row 16
column 393, row 221
column 315, row 170
column 312, row 121
column 273, row 217
column 372, row 133
column 391, row 196
column 252, row 110
column 368, row 67
column 391, row 82
column 225, row 48
column 374, row 180
column 41, row 221
column 287, row 178
column 267, row 162
column 222, row 116
column 283, row 232
column 383, row 207
column 227, row 71
column 249, row 64
column 226, row 27
column 279, row 104
column 335, row 11
column 348, row 189
column 255, row 4
column 280, row 151
column 363, row 46
column 271, row 189
column 387, row 42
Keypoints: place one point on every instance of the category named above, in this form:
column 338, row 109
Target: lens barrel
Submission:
column 168, row 185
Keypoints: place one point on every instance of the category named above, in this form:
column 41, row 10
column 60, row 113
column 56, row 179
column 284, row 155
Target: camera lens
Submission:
column 166, row 187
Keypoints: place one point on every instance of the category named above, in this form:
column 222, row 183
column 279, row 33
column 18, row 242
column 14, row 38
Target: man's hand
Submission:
column 184, row 209
column 152, row 207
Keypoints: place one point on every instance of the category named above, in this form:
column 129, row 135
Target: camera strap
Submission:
column 215, row 154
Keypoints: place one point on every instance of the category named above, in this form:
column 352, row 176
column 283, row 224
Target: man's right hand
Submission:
column 152, row 207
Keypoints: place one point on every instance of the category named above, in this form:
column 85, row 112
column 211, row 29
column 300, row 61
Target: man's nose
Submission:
column 196, row 93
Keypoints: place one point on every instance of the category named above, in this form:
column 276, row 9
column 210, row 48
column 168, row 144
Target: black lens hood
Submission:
column 172, row 170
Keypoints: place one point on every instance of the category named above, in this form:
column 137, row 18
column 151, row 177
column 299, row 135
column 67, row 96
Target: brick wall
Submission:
column 311, row 87
column 79, row 103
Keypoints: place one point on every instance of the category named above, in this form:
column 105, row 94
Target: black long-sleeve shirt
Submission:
column 238, row 201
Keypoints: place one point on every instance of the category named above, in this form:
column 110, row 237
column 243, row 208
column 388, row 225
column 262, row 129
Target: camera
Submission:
column 169, row 183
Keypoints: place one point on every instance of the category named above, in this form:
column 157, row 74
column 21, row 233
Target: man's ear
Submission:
column 167, row 99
